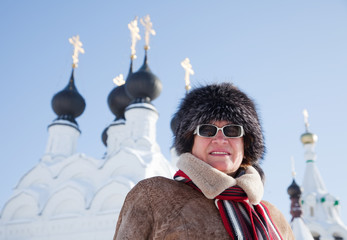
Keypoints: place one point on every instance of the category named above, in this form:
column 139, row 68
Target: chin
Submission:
column 223, row 167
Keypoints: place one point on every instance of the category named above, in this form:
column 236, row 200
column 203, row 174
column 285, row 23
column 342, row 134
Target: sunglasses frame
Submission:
column 196, row 131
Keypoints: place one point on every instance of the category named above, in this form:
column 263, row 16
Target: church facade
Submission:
column 70, row 195
column 314, row 210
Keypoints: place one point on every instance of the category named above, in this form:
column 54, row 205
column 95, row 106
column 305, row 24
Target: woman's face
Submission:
column 224, row 154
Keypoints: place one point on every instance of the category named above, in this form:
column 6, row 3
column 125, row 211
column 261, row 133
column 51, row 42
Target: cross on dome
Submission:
column 305, row 113
column 293, row 167
column 75, row 41
column 188, row 71
column 135, row 36
column 146, row 22
column 119, row 80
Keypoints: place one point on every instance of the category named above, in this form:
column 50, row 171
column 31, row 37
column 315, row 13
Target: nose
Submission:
column 219, row 137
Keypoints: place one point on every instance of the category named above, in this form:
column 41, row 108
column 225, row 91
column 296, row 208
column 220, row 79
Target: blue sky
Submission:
column 287, row 55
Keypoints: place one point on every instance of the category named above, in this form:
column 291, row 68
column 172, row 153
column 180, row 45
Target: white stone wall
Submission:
column 320, row 208
column 69, row 195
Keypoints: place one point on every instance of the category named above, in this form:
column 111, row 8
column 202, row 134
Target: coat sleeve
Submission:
column 280, row 221
column 135, row 220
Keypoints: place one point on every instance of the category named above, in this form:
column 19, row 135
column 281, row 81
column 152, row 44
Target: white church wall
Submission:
column 110, row 197
column 68, row 201
column 117, row 134
column 80, row 166
column 320, row 208
column 39, row 175
column 337, row 231
column 62, row 140
column 23, row 206
column 141, row 119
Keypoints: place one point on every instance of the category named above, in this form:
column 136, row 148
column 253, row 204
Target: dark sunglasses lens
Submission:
column 207, row 130
column 232, row 131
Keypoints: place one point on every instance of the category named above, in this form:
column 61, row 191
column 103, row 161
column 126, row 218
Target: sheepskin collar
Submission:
column 213, row 182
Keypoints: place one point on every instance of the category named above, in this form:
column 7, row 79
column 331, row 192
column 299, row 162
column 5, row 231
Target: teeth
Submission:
column 219, row 153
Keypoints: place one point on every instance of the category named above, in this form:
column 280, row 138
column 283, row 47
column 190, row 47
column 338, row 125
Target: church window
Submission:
column 337, row 236
column 311, row 211
column 315, row 236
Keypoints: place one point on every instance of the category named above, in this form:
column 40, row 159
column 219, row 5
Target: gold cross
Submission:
column 119, row 80
column 188, row 71
column 135, row 36
column 75, row 41
column 146, row 22
column 305, row 113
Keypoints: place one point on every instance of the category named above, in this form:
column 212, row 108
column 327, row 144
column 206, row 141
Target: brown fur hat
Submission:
column 218, row 102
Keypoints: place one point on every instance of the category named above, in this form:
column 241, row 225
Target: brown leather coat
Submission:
column 160, row 208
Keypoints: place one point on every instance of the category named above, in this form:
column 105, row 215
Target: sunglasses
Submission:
column 210, row 130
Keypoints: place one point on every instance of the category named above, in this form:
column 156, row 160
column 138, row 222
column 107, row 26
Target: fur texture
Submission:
column 218, row 102
column 213, row 182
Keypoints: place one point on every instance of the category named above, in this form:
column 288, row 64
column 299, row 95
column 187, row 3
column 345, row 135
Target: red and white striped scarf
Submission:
column 240, row 219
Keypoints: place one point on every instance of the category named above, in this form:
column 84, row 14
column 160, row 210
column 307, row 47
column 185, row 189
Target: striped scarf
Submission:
column 240, row 219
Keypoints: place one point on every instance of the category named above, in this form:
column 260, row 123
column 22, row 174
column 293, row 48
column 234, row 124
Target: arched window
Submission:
column 337, row 236
column 315, row 236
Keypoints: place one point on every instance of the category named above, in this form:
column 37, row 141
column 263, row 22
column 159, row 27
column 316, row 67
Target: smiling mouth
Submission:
column 219, row 153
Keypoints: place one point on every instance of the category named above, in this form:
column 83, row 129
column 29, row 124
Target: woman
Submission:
column 218, row 189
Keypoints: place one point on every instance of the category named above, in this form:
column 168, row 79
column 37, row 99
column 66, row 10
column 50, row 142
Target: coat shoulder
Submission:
column 158, row 188
column 156, row 181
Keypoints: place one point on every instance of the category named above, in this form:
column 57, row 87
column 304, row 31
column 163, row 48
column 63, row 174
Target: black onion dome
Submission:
column 294, row 190
column 118, row 99
column 143, row 85
column 104, row 136
column 68, row 104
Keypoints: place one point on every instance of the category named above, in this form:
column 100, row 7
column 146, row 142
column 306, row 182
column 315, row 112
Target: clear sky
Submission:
column 287, row 55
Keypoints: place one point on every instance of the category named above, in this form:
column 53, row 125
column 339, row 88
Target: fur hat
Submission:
column 218, row 102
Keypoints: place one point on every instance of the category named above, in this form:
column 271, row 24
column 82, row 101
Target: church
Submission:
column 69, row 195
column 315, row 212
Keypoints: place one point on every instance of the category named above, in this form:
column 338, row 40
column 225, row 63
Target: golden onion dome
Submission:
column 308, row 138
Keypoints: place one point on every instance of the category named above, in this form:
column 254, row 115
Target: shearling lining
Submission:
column 213, row 182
